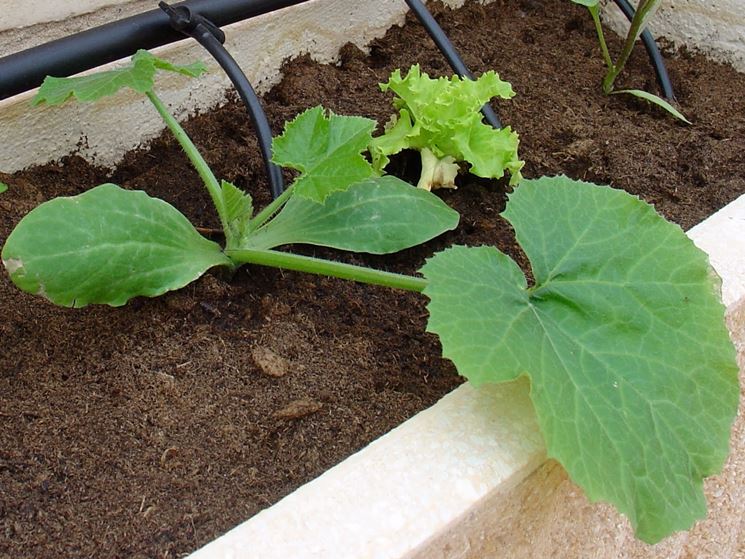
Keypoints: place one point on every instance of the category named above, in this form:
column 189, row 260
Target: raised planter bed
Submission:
column 191, row 392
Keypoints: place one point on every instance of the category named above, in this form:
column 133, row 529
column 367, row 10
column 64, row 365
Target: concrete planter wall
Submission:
column 467, row 478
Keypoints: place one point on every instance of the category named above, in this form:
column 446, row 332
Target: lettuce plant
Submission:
column 644, row 12
column 441, row 119
column 633, row 375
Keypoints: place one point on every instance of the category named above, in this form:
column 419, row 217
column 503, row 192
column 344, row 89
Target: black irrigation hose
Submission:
column 212, row 38
column 448, row 50
column 26, row 70
column 655, row 56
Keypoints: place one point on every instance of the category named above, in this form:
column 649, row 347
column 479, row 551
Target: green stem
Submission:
column 205, row 173
column 595, row 12
column 264, row 215
column 628, row 46
column 289, row 261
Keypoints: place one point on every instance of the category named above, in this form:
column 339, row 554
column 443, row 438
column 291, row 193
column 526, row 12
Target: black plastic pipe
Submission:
column 64, row 57
column 449, row 52
column 655, row 56
column 211, row 37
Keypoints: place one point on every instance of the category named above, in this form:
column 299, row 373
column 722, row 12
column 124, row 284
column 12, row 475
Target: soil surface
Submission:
column 148, row 430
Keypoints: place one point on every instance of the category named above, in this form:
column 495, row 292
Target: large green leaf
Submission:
column 106, row 245
column 326, row 149
column 138, row 76
column 378, row 216
column 632, row 371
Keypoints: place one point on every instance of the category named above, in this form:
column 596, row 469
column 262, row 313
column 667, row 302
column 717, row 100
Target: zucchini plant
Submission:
column 108, row 244
column 633, row 375
column 644, row 12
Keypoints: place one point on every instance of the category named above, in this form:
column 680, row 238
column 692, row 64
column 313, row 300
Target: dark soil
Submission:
column 148, row 430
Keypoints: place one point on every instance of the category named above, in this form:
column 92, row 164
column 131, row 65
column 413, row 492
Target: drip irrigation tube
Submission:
column 26, row 70
column 655, row 56
column 211, row 37
column 449, row 52
column 119, row 39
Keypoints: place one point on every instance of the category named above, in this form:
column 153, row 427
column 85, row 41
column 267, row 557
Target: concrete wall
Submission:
column 31, row 12
column 715, row 27
column 260, row 45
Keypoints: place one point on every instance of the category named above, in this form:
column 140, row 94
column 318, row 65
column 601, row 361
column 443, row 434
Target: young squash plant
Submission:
column 633, row 375
column 644, row 12
column 108, row 244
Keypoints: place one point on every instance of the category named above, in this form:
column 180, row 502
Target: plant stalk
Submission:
column 205, row 173
column 309, row 264
column 264, row 215
column 595, row 12
column 635, row 30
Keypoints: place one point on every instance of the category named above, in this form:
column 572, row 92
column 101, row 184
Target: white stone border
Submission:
column 23, row 13
column 36, row 135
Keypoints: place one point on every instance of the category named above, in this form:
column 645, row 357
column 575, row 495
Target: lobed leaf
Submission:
column 106, row 246
column 138, row 76
column 633, row 375
column 378, row 216
column 326, row 149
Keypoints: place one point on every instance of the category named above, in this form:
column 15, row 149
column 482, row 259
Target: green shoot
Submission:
column 654, row 99
column 3, row 187
column 644, row 13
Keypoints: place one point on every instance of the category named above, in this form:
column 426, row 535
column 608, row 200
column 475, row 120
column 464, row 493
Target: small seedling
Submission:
column 3, row 187
column 441, row 119
column 643, row 14
column 633, row 375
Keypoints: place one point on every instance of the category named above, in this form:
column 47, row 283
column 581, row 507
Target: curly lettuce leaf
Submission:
column 443, row 116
